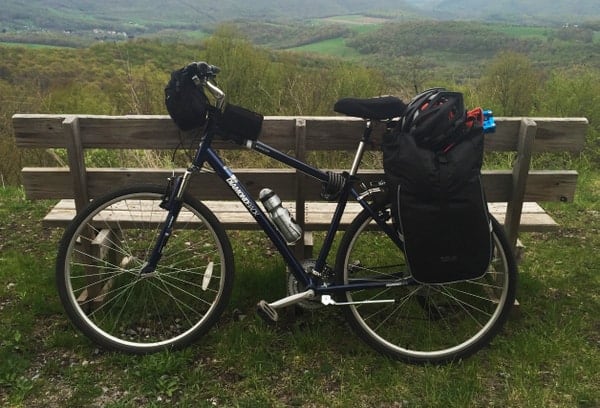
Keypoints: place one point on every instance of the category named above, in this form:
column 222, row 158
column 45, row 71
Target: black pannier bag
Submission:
column 432, row 161
column 185, row 102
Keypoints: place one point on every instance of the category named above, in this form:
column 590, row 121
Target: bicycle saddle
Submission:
column 384, row 107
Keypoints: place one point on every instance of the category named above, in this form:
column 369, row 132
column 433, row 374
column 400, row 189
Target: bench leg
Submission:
column 101, row 249
column 519, row 251
column 493, row 296
column 303, row 249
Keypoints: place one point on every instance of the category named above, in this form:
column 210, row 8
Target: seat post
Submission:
column 367, row 131
column 361, row 148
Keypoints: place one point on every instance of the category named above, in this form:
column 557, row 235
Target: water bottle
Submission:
column 280, row 216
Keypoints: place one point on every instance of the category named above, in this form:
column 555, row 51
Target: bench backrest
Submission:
column 300, row 135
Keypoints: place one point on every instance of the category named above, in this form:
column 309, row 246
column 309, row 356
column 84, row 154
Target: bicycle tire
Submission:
column 104, row 293
column 426, row 323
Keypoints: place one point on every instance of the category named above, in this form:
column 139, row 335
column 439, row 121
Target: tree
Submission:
column 575, row 92
column 510, row 83
column 416, row 72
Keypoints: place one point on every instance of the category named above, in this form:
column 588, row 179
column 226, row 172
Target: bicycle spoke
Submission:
column 435, row 322
column 102, row 285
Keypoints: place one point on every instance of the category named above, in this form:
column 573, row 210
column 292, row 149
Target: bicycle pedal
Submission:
column 266, row 312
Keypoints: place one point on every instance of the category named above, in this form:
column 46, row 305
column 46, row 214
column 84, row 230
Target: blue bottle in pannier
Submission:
column 432, row 161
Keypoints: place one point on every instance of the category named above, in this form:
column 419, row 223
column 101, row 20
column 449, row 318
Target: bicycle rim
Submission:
column 106, row 296
column 425, row 323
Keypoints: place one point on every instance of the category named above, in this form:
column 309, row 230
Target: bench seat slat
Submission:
column 318, row 215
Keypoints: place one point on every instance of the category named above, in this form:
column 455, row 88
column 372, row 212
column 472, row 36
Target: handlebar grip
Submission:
column 203, row 69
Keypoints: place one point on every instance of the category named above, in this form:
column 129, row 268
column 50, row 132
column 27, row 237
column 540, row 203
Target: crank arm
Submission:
column 327, row 300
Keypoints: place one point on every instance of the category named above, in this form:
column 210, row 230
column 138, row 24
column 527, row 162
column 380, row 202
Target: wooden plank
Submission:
column 528, row 208
column 532, row 222
column 134, row 131
column 553, row 134
column 46, row 182
column 323, row 133
column 39, row 131
column 551, row 185
column 557, row 135
column 238, row 218
column 316, row 207
column 534, row 217
column 50, row 183
column 318, row 215
column 136, row 214
column 335, row 133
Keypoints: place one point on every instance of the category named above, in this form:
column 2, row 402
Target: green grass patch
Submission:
column 356, row 23
column 521, row 31
column 355, row 19
column 334, row 47
column 548, row 355
column 31, row 46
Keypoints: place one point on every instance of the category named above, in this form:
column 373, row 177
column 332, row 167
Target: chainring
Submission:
column 294, row 287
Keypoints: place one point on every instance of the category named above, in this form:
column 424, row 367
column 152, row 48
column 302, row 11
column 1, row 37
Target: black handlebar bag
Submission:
column 439, row 205
column 186, row 103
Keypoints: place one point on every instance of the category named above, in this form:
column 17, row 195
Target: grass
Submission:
column 355, row 20
column 337, row 47
column 333, row 47
column 32, row 46
column 548, row 355
column 519, row 31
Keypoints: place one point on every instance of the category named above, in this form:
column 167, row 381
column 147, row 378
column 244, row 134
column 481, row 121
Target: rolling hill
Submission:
column 151, row 14
column 513, row 11
column 140, row 16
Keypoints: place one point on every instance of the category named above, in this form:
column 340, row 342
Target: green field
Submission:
column 355, row 23
column 525, row 32
column 27, row 45
column 334, row 47
column 355, row 19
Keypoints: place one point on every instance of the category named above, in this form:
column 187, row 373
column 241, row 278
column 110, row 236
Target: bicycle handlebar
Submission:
column 203, row 75
column 204, row 70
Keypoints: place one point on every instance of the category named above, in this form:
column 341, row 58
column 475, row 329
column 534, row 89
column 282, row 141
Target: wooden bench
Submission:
column 513, row 193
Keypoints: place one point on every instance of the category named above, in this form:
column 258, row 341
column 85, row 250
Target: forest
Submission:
column 129, row 77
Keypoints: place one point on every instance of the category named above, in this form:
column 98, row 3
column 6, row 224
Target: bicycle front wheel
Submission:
column 106, row 295
column 421, row 323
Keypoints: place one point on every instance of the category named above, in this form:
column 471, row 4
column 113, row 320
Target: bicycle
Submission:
column 162, row 278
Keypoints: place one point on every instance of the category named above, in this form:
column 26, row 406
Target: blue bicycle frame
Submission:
column 206, row 154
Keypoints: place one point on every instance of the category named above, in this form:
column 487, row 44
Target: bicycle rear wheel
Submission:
column 100, row 284
column 425, row 323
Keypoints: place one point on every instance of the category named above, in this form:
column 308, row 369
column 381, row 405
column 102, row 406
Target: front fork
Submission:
column 172, row 201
